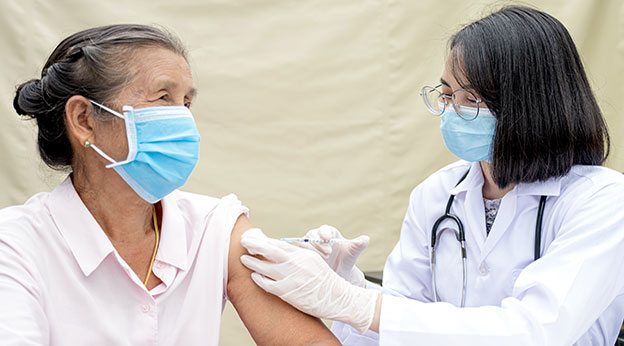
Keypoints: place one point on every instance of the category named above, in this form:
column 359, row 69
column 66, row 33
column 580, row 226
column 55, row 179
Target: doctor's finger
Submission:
column 254, row 232
column 325, row 249
column 265, row 268
column 265, row 283
column 360, row 243
column 327, row 232
column 357, row 245
column 321, row 250
column 265, row 247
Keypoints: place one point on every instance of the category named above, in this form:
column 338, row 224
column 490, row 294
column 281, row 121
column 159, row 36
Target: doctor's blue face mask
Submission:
column 163, row 149
column 470, row 140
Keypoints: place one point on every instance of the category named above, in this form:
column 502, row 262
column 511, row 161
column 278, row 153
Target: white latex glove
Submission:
column 303, row 279
column 341, row 255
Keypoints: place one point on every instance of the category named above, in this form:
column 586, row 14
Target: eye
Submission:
column 472, row 99
column 187, row 104
column 164, row 97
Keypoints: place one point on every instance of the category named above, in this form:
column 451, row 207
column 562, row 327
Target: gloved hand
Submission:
column 303, row 279
column 340, row 255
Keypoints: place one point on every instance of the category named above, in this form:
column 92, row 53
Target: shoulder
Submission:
column 23, row 222
column 216, row 216
column 192, row 202
column 591, row 181
column 197, row 205
column 25, row 230
column 597, row 174
column 590, row 193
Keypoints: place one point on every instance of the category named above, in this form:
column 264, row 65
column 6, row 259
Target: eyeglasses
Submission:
column 465, row 103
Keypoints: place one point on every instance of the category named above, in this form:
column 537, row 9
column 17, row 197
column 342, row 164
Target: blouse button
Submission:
column 145, row 308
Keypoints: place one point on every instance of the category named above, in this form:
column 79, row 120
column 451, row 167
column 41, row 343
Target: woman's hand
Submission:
column 340, row 255
column 303, row 279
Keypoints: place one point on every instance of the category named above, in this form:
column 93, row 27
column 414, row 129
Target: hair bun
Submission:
column 29, row 100
column 92, row 63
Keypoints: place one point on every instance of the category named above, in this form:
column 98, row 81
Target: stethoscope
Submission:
column 461, row 238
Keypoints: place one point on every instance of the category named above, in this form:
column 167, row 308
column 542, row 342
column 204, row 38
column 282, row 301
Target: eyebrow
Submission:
column 465, row 87
column 169, row 84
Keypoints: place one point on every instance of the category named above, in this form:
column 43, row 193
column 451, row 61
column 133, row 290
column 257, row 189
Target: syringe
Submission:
column 313, row 240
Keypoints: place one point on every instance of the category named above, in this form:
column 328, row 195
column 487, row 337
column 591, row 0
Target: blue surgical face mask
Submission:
column 163, row 149
column 470, row 140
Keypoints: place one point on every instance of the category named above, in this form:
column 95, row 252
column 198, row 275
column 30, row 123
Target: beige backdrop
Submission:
column 308, row 110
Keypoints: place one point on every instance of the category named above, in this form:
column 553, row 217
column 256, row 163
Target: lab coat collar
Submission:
column 550, row 187
column 472, row 180
column 89, row 244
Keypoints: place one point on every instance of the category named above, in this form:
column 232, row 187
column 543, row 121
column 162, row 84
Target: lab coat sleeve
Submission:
column 22, row 318
column 348, row 336
column 554, row 300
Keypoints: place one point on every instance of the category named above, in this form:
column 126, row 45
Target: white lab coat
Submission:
column 574, row 294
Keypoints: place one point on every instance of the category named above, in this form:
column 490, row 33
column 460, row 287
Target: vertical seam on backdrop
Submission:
column 394, row 57
column 387, row 118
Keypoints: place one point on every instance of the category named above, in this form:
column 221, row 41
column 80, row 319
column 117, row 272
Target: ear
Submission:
column 79, row 120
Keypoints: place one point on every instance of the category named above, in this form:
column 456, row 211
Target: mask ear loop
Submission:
column 113, row 163
column 113, row 112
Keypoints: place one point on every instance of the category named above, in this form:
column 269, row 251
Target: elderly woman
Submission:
column 115, row 255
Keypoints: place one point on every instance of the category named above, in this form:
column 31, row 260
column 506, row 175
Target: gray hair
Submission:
column 92, row 63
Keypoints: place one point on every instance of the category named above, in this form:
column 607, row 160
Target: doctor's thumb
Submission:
column 360, row 243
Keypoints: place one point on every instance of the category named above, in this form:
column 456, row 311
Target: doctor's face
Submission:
column 455, row 86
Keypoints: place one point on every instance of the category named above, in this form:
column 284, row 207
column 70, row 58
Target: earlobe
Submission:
column 79, row 120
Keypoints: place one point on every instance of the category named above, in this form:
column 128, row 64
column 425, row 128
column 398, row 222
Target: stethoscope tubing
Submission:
column 461, row 238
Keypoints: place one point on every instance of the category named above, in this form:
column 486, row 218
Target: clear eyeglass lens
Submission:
column 466, row 104
column 433, row 100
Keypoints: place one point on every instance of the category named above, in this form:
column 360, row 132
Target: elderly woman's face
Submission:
column 161, row 78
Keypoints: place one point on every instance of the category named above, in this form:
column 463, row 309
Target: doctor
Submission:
column 521, row 242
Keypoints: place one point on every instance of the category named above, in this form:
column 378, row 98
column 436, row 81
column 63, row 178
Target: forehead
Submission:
column 453, row 73
column 154, row 66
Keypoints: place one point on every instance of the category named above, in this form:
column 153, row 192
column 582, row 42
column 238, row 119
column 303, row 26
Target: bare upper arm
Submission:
column 270, row 320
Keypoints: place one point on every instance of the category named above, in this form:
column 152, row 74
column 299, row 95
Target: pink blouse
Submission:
column 63, row 283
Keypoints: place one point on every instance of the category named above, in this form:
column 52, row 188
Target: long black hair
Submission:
column 525, row 66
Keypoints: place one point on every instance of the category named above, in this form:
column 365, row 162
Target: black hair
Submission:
column 92, row 63
column 525, row 66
